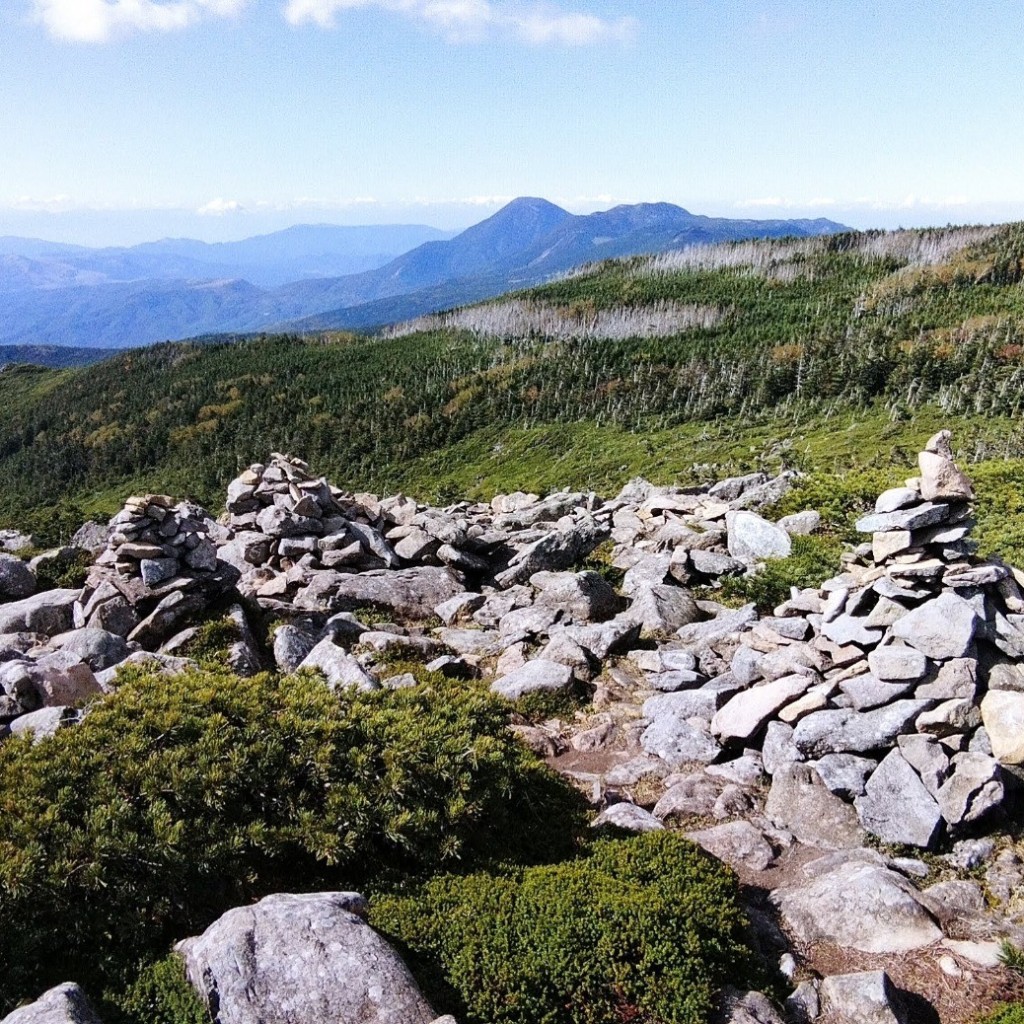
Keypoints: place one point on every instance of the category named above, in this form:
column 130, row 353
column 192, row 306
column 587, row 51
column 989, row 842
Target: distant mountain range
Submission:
column 322, row 276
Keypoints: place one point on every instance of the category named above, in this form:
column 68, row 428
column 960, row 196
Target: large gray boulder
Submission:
column 45, row 722
column 339, row 668
column 557, row 550
column 408, row 593
column 96, row 647
column 744, row 715
column 737, row 843
column 843, row 730
column 535, row 676
column 578, row 596
column 801, row 803
column 678, row 742
column 662, row 609
column 857, row 902
column 292, row 645
column 941, row 628
column 752, row 538
column 973, row 790
column 16, row 579
column 65, row 1004
column 49, row 612
column 302, row 959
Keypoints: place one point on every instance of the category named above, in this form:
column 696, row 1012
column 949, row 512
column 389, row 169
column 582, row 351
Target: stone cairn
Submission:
column 281, row 516
column 897, row 685
column 159, row 566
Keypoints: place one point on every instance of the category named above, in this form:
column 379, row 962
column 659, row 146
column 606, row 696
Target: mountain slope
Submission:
column 652, row 364
column 122, row 298
column 524, row 243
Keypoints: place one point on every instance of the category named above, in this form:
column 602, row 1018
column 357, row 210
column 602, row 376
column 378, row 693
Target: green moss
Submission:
column 541, row 705
column 1008, row 1013
column 600, row 561
column 642, row 929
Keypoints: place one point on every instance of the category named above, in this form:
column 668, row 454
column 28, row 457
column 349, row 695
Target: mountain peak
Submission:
column 515, row 227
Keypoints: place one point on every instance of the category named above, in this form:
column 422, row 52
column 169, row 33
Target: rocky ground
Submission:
column 854, row 756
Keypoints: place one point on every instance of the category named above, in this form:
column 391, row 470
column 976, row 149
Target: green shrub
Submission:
column 1008, row 1013
column 813, row 560
column 176, row 799
column 160, row 995
column 646, row 929
column 69, row 571
column 212, row 641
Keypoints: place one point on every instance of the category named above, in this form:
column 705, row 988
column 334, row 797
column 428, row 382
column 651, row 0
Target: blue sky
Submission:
column 124, row 120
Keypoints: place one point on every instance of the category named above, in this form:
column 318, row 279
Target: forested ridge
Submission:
column 649, row 364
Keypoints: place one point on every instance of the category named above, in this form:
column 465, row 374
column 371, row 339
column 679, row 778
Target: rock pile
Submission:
column 895, row 686
column 159, row 566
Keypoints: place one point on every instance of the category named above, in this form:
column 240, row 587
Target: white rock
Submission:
column 1002, row 711
column 747, row 712
column 65, row 1004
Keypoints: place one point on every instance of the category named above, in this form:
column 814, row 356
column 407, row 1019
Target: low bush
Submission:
column 642, row 929
column 160, row 994
column 813, row 560
column 176, row 799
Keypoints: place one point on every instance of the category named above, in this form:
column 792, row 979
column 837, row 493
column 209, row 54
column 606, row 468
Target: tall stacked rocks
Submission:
column 159, row 566
column 897, row 686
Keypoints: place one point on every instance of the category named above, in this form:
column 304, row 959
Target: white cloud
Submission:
column 463, row 20
column 47, row 204
column 96, row 21
column 219, row 207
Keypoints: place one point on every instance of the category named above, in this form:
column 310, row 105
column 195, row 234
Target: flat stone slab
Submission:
column 747, row 712
column 851, row 629
column 941, row 628
column 897, row 664
column 925, row 514
column 844, row 731
column 867, row 692
column 897, row 807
